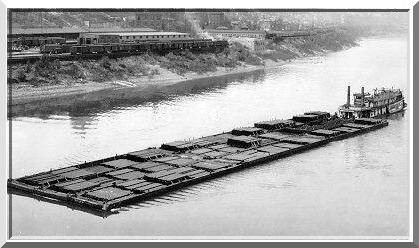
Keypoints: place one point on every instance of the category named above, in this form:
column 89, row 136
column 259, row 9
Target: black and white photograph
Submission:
column 212, row 123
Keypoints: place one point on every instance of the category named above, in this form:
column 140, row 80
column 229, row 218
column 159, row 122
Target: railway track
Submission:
column 15, row 58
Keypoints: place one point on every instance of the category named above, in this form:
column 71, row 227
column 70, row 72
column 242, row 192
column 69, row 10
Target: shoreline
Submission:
column 25, row 94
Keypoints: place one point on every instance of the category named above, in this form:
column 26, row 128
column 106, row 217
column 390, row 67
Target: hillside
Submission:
column 55, row 72
column 69, row 19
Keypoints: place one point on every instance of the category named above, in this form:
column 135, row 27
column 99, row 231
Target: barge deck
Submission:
column 114, row 182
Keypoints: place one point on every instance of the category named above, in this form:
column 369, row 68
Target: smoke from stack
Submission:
column 196, row 28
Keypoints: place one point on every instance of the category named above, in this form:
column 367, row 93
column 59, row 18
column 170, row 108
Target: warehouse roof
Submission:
column 45, row 30
column 234, row 31
column 17, row 31
column 136, row 33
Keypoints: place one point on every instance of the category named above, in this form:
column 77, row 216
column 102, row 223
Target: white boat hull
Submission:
column 396, row 107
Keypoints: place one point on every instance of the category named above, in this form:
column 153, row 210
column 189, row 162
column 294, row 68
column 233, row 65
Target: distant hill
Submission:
column 71, row 19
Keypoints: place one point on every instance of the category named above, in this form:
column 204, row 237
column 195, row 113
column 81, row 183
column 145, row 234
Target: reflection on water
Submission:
column 355, row 187
column 111, row 99
column 82, row 124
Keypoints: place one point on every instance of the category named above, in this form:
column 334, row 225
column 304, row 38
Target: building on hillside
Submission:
column 226, row 34
column 180, row 21
column 162, row 21
column 152, row 20
column 253, row 39
column 259, row 46
column 235, row 25
column 215, row 19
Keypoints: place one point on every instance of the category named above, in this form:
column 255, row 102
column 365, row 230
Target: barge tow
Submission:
column 128, row 178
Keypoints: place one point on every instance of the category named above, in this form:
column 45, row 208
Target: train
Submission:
column 143, row 46
column 24, row 43
column 39, row 41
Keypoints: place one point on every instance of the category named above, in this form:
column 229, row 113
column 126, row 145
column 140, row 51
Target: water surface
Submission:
column 354, row 187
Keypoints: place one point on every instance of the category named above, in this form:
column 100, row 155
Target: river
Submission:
column 355, row 187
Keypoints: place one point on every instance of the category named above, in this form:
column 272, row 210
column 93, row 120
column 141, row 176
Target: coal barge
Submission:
column 114, row 182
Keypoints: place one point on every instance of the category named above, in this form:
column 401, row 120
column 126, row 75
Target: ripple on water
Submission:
column 349, row 180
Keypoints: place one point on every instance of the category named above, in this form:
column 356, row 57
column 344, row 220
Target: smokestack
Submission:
column 362, row 96
column 348, row 97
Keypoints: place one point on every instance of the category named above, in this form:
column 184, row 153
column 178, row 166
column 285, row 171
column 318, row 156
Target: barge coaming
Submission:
column 124, row 179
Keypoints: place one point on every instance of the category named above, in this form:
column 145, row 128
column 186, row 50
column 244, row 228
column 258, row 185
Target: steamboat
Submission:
column 365, row 105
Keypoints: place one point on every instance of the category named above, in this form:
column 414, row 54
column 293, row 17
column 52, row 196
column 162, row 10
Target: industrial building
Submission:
column 167, row 21
column 222, row 33
column 130, row 37
column 68, row 33
column 259, row 46
column 180, row 21
column 253, row 39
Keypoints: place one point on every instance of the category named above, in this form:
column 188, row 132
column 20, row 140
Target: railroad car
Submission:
column 55, row 48
column 80, row 49
column 97, row 49
column 39, row 41
column 51, row 48
column 123, row 48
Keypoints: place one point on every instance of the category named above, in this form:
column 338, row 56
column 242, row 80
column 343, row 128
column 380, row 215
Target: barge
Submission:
column 113, row 182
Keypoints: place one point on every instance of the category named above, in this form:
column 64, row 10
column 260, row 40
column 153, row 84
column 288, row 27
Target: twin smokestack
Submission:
column 348, row 97
column 362, row 97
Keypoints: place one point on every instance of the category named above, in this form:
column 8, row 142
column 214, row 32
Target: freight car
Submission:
column 138, row 47
column 39, row 41
column 14, row 45
column 55, row 48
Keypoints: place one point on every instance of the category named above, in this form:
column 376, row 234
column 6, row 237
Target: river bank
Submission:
column 25, row 93
column 45, row 81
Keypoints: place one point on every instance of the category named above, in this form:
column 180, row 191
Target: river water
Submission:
column 354, row 187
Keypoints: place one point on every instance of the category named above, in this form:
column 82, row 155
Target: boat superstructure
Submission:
column 366, row 105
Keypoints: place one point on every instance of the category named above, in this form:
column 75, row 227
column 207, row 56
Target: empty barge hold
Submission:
column 117, row 181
